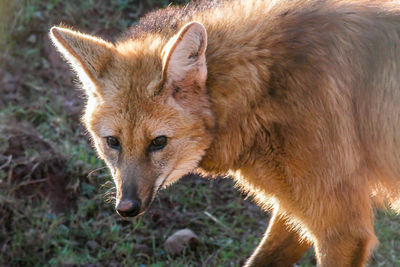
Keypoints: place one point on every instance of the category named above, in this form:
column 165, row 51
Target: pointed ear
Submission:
column 87, row 55
column 184, row 59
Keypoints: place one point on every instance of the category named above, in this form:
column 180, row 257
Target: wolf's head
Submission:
column 147, row 107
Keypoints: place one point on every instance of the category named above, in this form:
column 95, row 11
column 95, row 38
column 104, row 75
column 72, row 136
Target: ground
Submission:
column 56, row 197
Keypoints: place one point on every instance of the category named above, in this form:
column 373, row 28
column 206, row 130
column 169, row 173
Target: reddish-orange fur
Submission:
column 300, row 104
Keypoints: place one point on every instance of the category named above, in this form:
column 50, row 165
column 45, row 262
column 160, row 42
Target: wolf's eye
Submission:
column 113, row 142
column 158, row 143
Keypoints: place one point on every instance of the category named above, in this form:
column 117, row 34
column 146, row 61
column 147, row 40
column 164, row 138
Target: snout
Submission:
column 128, row 208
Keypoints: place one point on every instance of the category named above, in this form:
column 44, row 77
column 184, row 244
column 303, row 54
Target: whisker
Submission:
column 95, row 170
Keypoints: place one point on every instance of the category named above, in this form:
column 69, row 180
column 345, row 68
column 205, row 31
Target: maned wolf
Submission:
column 298, row 100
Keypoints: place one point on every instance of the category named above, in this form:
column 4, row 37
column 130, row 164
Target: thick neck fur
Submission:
column 237, row 84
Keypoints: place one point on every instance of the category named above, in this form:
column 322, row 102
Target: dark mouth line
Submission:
column 149, row 197
column 153, row 195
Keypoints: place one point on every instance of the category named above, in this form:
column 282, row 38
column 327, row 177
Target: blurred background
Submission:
column 56, row 197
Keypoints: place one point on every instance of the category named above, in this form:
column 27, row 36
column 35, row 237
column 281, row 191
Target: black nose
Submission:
column 128, row 208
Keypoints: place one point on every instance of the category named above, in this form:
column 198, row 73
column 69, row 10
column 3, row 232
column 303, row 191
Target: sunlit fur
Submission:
column 300, row 104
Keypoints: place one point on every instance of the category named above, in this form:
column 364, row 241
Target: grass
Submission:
column 55, row 202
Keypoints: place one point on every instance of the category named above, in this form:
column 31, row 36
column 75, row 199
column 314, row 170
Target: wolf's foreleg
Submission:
column 280, row 246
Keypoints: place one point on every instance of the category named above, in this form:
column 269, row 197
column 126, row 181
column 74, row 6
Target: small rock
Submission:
column 92, row 244
column 32, row 38
column 176, row 243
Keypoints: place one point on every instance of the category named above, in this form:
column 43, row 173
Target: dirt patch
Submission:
column 33, row 168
